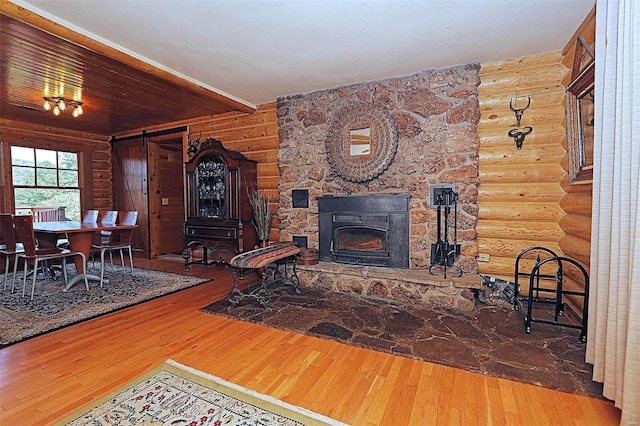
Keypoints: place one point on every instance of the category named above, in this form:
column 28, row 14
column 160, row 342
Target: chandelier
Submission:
column 56, row 104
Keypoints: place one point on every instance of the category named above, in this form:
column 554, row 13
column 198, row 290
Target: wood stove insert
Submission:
column 365, row 230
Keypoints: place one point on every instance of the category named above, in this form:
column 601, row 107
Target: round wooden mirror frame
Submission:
column 384, row 142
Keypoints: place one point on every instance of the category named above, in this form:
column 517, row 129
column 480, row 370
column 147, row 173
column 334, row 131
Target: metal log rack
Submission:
column 539, row 295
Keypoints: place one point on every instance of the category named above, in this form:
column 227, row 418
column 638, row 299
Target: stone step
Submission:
column 393, row 284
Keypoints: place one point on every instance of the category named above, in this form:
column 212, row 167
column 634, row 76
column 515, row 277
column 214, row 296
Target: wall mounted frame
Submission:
column 580, row 114
column 381, row 149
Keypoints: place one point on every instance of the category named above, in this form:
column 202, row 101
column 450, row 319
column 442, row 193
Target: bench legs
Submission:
column 271, row 274
column 260, row 293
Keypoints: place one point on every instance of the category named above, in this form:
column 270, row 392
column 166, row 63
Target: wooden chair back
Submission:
column 8, row 232
column 90, row 216
column 127, row 218
column 24, row 229
column 109, row 217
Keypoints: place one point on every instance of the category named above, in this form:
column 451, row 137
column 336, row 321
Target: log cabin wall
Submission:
column 520, row 191
column 256, row 136
column 524, row 196
column 577, row 201
column 96, row 157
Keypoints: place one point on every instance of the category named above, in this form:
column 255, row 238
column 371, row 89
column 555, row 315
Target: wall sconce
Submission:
column 57, row 104
column 518, row 134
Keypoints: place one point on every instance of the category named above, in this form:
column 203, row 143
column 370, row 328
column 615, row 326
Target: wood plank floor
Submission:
column 45, row 378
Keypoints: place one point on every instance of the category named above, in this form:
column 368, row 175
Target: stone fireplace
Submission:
column 435, row 114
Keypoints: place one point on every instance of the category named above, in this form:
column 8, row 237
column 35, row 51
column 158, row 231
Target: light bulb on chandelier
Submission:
column 57, row 104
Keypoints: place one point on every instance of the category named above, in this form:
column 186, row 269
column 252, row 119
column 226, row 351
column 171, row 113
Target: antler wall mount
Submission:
column 519, row 133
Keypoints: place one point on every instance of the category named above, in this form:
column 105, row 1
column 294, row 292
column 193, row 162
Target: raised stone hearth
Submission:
column 412, row 286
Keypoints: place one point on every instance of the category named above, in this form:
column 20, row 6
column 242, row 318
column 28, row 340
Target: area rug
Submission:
column 490, row 340
column 174, row 394
column 51, row 309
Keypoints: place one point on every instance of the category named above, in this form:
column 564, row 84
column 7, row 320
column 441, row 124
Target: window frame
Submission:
column 11, row 187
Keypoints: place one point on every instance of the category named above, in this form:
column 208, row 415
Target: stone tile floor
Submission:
column 489, row 340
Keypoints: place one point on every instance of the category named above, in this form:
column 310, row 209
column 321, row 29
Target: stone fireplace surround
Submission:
column 436, row 114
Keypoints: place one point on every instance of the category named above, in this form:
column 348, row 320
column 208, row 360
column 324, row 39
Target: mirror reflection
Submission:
column 585, row 104
column 360, row 141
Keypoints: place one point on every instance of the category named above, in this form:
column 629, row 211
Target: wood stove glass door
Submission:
column 358, row 239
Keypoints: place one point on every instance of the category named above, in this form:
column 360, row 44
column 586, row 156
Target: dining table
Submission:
column 80, row 236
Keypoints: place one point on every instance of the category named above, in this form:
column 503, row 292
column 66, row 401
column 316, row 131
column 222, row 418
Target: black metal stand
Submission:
column 444, row 253
column 558, row 291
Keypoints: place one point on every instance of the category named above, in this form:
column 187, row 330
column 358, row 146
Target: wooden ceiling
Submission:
column 119, row 93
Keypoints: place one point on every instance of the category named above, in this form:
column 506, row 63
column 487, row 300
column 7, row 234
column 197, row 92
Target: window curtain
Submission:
column 613, row 344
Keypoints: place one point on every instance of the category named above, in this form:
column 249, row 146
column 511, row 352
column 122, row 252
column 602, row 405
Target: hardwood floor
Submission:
column 45, row 378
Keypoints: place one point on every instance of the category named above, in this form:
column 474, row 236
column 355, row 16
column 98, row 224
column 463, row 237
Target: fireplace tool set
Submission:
column 444, row 252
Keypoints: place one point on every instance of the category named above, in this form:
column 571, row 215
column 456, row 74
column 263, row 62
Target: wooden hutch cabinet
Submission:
column 219, row 215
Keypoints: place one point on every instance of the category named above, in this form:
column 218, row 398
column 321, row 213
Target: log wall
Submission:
column 577, row 201
column 520, row 190
column 576, row 243
column 94, row 148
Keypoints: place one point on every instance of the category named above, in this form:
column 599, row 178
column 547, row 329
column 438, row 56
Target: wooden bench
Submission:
column 270, row 259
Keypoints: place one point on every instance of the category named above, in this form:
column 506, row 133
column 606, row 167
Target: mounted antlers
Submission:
column 194, row 145
column 518, row 134
column 519, row 111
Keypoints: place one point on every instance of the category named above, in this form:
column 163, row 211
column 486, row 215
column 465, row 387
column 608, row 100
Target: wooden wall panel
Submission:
column 520, row 190
column 576, row 243
column 95, row 150
column 256, row 136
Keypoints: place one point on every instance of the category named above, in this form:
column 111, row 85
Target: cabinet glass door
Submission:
column 211, row 187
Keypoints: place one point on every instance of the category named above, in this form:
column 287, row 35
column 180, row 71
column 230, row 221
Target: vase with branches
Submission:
column 261, row 215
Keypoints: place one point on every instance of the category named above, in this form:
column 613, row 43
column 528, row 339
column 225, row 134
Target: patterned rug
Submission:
column 51, row 309
column 173, row 394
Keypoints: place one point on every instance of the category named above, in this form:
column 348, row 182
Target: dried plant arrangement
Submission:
column 261, row 214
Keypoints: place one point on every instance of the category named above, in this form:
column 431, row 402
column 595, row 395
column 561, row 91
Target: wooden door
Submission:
column 166, row 195
column 130, row 186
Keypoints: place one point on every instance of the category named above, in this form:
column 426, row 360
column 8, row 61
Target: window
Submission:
column 45, row 180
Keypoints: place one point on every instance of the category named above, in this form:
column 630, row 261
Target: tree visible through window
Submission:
column 46, row 178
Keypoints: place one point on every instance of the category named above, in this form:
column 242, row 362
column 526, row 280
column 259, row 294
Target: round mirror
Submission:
column 361, row 142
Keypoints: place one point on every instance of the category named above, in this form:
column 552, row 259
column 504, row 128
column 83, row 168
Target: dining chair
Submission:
column 10, row 248
column 33, row 254
column 119, row 240
column 90, row 216
column 106, row 218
